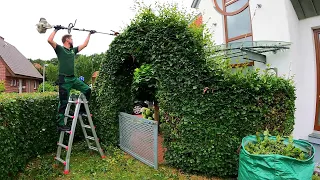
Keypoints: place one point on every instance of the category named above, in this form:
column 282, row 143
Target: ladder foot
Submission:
column 66, row 172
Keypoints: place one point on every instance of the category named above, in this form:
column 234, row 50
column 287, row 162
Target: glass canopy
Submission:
column 252, row 50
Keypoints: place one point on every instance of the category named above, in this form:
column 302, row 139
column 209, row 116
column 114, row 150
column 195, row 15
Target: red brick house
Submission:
column 16, row 70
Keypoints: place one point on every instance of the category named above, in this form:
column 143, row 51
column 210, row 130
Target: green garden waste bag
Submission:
column 273, row 166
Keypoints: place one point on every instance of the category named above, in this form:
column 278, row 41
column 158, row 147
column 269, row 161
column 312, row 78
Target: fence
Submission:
column 139, row 138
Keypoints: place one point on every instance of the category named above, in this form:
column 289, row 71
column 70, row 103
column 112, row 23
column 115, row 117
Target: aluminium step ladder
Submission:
column 77, row 101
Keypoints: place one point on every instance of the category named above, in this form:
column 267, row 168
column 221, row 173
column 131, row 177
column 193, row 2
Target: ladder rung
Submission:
column 85, row 115
column 90, row 137
column 61, row 160
column 93, row 148
column 76, row 102
column 87, row 126
column 70, row 116
column 62, row 145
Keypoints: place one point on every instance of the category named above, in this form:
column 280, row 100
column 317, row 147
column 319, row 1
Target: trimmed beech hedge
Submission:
column 27, row 129
column 207, row 108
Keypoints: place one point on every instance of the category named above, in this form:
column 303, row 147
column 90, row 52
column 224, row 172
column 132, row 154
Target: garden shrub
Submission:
column 207, row 108
column 144, row 85
column 48, row 87
column 2, row 86
column 27, row 129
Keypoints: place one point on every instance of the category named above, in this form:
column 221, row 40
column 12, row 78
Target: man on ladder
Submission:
column 67, row 80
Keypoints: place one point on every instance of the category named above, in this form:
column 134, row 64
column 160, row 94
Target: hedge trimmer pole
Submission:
column 114, row 34
column 43, row 25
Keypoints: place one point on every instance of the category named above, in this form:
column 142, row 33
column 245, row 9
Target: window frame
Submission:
column 316, row 33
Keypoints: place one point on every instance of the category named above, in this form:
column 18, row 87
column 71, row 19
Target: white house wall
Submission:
column 306, row 68
column 211, row 17
column 276, row 20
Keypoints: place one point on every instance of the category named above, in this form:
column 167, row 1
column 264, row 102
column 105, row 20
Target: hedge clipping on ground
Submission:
column 27, row 129
column 207, row 109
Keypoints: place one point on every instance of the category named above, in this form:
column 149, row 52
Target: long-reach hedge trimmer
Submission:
column 43, row 25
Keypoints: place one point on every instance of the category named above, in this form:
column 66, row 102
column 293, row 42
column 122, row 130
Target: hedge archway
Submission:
column 170, row 47
column 207, row 110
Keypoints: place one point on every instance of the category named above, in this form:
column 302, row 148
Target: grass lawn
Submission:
column 89, row 165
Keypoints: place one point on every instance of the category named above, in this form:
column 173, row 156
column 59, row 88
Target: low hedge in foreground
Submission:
column 27, row 129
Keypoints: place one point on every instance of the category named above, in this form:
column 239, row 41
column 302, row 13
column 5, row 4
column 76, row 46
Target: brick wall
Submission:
column 4, row 75
column 198, row 21
column 12, row 86
column 2, row 70
column 32, row 88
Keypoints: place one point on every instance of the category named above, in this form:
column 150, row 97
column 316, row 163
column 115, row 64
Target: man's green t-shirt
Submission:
column 66, row 59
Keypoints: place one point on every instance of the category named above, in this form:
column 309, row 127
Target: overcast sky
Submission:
column 101, row 15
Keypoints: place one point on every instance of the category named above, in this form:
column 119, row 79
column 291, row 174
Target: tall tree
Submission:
column 86, row 65
column 54, row 61
column 51, row 73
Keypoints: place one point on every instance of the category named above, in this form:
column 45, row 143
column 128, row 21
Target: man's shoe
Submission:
column 64, row 128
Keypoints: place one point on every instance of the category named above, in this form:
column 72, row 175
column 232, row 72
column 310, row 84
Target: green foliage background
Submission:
column 48, row 87
column 207, row 108
column 144, row 84
column 51, row 73
column 86, row 65
column 2, row 86
column 27, row 129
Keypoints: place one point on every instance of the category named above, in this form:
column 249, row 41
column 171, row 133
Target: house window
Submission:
column 237, row 24
column 35, row 85
column 13, row 82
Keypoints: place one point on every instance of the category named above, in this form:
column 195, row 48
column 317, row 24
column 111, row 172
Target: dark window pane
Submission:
column 239, row 24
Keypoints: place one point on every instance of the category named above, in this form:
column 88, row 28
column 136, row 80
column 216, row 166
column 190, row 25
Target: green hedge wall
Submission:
column 27, row 129
column 202, row 130
column 206, row 138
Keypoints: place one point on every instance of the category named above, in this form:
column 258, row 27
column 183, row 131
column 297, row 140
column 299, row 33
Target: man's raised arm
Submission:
column 82, row 46
column 50, row 39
